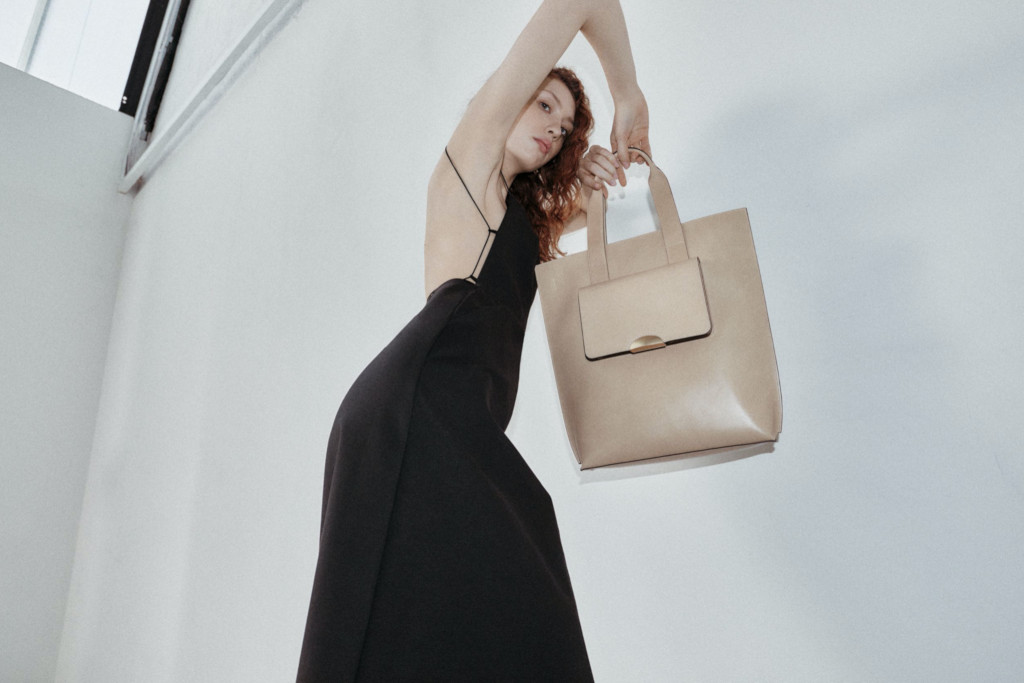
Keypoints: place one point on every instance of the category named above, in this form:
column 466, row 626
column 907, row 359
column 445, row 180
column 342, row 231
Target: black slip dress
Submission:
column 440, row 558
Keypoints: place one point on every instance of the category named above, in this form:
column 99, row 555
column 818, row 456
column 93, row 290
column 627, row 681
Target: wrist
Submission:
column 626, row 93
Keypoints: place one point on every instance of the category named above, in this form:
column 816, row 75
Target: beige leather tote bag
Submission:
column 660, row 343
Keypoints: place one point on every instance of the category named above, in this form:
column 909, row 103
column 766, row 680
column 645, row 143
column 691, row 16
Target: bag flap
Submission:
column 644, row 311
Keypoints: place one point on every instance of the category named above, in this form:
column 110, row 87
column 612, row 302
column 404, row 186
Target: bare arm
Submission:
column 479, row 139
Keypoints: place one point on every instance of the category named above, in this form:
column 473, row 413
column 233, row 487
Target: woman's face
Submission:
column 542, row 126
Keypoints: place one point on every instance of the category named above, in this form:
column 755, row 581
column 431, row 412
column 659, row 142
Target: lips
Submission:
column 543, row 144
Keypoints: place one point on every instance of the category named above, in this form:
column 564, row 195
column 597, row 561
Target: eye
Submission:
column 544, row 106
column 565, row 133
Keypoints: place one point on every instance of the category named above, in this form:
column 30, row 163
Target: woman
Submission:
column 439, row 551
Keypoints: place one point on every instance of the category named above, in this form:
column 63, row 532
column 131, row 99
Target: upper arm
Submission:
column 480, row 136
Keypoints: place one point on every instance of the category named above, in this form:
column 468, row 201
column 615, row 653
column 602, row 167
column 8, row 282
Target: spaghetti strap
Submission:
column 491, row 232
column 454, row 168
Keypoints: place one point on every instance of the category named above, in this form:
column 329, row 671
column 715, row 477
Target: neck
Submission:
column 509, row 169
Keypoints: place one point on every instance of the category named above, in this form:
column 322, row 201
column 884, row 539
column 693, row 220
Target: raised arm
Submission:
column 479, row 139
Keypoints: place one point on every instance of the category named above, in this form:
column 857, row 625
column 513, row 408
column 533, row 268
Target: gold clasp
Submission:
column 646, row 343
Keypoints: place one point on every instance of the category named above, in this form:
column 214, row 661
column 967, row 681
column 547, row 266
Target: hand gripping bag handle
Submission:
column 664, row 205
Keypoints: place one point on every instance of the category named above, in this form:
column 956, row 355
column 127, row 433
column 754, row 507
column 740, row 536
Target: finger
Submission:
column 592, row 180
column 644, row 144
column 605, row 168
column 622, row 175
column 598, row 165
column 607, row 154
column 596, row 153
column 598, row 181
column 612, row 172
column 621, row 150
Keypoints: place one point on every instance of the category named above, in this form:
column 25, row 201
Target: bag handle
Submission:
column 664, row 205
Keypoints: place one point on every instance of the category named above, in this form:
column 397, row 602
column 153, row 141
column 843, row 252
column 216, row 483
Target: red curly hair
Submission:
column 552, row 193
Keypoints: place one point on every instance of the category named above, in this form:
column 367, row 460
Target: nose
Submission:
column 554, row 131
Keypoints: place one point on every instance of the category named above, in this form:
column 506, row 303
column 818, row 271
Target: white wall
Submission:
column 17, row 17
column 878, row 149
column 61, row 235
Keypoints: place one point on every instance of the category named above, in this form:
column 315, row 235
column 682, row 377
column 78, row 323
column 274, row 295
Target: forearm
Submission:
column 482, row 132
column 605, row 30
column 603, row 25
